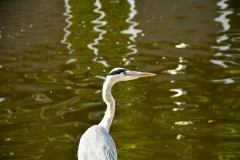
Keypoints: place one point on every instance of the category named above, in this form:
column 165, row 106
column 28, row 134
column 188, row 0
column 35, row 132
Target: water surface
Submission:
column 55, row 55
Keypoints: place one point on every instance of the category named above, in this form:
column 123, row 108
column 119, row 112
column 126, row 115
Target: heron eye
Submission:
column 124, row 73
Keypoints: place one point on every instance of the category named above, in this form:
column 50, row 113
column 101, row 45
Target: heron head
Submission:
column 121, row 74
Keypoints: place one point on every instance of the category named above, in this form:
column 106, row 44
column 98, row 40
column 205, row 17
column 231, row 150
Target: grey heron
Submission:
column 97, row 143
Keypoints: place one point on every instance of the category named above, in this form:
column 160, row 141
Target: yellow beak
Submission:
column 140, row 74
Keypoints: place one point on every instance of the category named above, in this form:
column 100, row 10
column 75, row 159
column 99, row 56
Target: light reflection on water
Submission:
column 69, row 23
column 52, row 70
column 227, row 34
column 131, row 30
column 100, row 23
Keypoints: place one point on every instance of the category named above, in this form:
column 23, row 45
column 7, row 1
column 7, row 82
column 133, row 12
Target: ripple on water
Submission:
column 58, row 109
column 97, row 115
column 54, row 80
column 227, row 131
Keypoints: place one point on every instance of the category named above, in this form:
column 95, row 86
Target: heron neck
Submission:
column 109, row 100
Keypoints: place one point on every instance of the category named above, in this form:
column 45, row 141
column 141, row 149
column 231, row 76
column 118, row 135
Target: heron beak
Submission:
column 141, row 74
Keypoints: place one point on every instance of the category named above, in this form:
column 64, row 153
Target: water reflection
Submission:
column 66, row 29
column 225, row 24
column 224, row 20
column 177, row 70
column 226, row 63
column 131, row 31
column 224, row 81
column 226, row 43
column 50, row 94
column 179, row 91
column 222, row 4
column 99, row 23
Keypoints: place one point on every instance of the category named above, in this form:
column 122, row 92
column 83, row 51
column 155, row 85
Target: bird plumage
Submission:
column 101, row 146
column 96, row 143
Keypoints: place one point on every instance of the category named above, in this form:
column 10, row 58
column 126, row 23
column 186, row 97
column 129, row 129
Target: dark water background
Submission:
column 54, row 56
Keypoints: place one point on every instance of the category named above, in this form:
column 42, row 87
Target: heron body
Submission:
column 101, row 145
column 97, row 143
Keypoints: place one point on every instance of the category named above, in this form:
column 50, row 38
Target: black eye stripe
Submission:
column 117, row 71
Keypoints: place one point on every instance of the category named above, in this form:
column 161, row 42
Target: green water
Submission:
column 55, row 55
